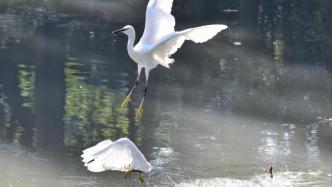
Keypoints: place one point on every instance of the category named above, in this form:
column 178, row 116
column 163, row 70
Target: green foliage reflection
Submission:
column 91, row 112
column 26, row 85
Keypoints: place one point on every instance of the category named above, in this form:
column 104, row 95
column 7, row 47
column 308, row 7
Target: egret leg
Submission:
column 141, row 178
column 140, row 110
column 128, row 174
column 125, row 102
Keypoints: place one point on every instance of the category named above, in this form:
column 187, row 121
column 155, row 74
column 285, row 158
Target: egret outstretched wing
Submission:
column 170, row 44
column 88, row 154
column 159, row 21
column 121, row 155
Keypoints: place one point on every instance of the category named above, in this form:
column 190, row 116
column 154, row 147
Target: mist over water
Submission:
column 257, row 95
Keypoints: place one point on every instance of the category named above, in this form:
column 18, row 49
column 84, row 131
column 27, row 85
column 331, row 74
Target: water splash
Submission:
column 285, row 179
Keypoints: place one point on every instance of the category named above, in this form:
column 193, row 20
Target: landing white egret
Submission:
column 160, row 41
column 121, row 155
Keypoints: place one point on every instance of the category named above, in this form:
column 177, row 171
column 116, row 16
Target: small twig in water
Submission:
column 271, row 171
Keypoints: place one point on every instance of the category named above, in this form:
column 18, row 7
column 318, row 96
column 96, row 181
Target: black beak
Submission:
column 117, row 31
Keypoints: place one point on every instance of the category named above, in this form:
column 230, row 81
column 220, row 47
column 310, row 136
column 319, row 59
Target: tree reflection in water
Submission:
column 62, row 75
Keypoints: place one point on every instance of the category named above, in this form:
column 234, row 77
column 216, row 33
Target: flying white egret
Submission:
column 160, row 41
column 121, row 155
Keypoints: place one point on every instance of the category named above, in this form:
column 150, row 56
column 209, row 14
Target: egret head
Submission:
column 128, row 29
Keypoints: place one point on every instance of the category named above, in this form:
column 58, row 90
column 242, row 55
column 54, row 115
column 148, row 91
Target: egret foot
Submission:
column 142, row 180
column 127, row 174
column 139, row 112
column 125, row 102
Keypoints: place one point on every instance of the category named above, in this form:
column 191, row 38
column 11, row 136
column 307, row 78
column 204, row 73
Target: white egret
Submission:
column 160, row 41
column 121, row 155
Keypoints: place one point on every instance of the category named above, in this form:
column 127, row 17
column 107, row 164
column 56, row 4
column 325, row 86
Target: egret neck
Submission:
column 130, row 44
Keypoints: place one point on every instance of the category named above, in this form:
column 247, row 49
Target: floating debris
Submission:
column 231, row 10
column 271, row 171
column 237, row 43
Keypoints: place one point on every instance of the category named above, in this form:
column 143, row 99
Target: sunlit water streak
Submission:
column 285, row 179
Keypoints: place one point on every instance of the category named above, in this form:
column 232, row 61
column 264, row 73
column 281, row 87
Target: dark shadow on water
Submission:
column 49, row 53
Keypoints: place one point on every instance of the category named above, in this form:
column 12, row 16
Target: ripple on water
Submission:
column 285, row 179
column 162, row 155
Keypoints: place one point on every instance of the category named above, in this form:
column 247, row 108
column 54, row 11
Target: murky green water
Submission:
column 258, row 94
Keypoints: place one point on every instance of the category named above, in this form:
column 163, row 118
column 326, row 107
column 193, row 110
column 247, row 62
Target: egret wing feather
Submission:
column 88, row 153
column 159, row 21
column 168, row 46
column 171, row 43
column 122, row 155
column 118, row 159
column 203, row 33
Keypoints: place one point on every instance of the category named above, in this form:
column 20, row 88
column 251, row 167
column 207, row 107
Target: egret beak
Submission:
column 117, row 31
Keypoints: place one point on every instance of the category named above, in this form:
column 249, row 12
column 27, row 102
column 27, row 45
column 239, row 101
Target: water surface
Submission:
column 257, row 95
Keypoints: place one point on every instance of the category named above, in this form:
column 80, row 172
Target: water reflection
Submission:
column 27, row 76
column 312, row 142
column 275, row 146
column 283, row 179
column 257, row 95
column 162, row 156
column 13, row 29
column 91, row 111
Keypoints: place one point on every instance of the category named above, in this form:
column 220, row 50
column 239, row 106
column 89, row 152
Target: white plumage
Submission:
column 159, row 40
column 171, row 43
column 159, row 22
column 121, row 155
